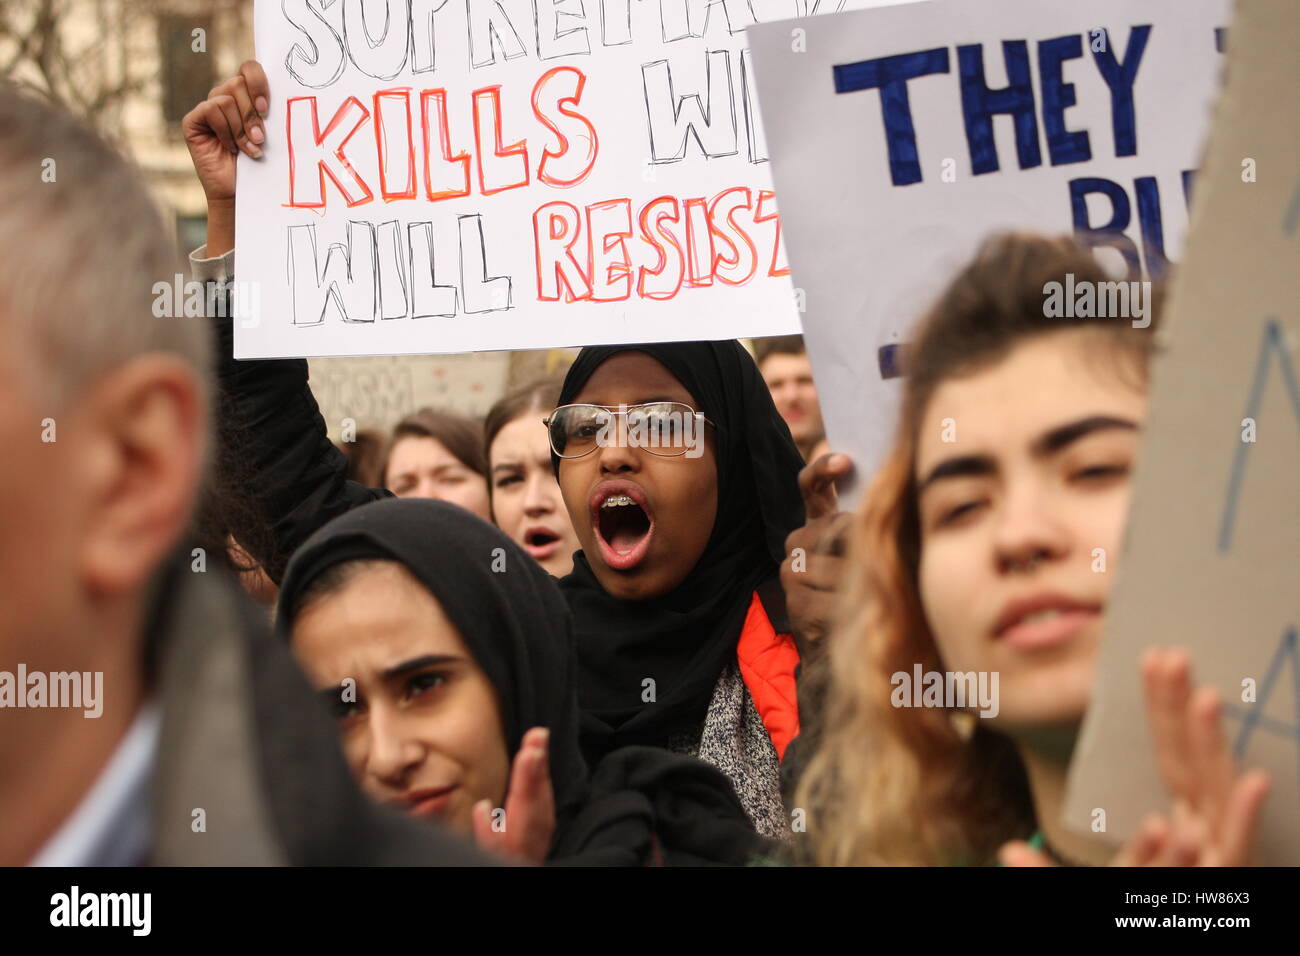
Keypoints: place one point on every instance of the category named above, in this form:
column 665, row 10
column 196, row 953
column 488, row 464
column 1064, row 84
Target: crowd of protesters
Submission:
column 512, row 641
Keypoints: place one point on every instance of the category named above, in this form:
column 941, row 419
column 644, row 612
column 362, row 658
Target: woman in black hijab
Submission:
column 678, row 611
column 455, row 644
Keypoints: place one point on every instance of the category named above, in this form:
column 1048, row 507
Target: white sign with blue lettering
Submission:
column 900, row 137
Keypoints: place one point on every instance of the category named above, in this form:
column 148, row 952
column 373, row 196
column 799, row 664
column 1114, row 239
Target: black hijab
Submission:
column 513, row 621
column 517, row 626
column 683, row 639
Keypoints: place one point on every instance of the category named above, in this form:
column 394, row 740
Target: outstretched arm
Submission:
column 274, row 459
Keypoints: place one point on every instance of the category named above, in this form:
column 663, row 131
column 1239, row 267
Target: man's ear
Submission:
column 149, row 424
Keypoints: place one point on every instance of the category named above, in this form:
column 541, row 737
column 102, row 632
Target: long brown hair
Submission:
column 892, row 785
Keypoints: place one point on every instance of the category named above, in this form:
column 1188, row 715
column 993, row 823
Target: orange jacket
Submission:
column 768, row 661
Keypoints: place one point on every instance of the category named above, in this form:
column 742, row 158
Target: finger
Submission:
column 1188, row 842
column 1178, row 687
column 248, row 115
column 234, row 122
column 195, row 121
column 1186, row 838
column 541, row 824
column 481, row 824
column 828, row 534
column 802, row 539
column 1212, row 763
column 825, row 535
column 834, row 539
column 817, row 484
column 1145, row 845
column 522, row 795
column 530, row 804
column 1020, row 853
column 809, row 613
column 234, row 112
column 219, row 123
column 1164, row 854
column 840, row 528
column 258, row 87
column 530, row 771
column 821, row 572
column 1241, row 817
column 1164, row 673
column 544, row 791
column 1150, row 841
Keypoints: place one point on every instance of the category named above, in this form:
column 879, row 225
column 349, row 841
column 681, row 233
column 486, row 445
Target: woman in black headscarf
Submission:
column 678, row 611
column 439, row 643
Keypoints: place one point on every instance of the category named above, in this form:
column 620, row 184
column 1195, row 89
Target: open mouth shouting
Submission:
column 541, row 542
column 624, row 524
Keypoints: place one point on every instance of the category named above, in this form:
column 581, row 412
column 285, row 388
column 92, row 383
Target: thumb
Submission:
column 817, row 484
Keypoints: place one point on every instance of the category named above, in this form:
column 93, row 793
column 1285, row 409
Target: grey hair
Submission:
column 82, row 245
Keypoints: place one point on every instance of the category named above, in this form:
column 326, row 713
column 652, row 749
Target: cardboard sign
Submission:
column 1212, row 560
column 451, row 176
column 902, row 137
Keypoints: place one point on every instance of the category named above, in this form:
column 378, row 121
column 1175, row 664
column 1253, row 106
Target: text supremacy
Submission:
column 412, row 143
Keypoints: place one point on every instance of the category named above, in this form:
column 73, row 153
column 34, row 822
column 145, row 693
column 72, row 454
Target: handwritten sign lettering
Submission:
column 453, row 175
column 904, row 136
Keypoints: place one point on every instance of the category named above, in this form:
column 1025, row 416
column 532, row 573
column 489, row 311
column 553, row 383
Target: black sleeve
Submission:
column 274, row 453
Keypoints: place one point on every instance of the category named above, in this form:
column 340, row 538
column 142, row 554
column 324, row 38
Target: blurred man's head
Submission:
column 103, row 410
column 783, row 362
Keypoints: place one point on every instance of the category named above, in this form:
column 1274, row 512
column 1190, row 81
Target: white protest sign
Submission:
column 901, row 137
column 1212, row 554
column 454, row 175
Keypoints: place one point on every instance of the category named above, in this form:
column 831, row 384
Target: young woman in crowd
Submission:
column 679, row 616
column 679, row 613
column 525, row 497
column 435, row 454
column 682, row 637
column 451, row 672
column 976, row 551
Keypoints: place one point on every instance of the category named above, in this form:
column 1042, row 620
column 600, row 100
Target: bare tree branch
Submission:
column 45, row 46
